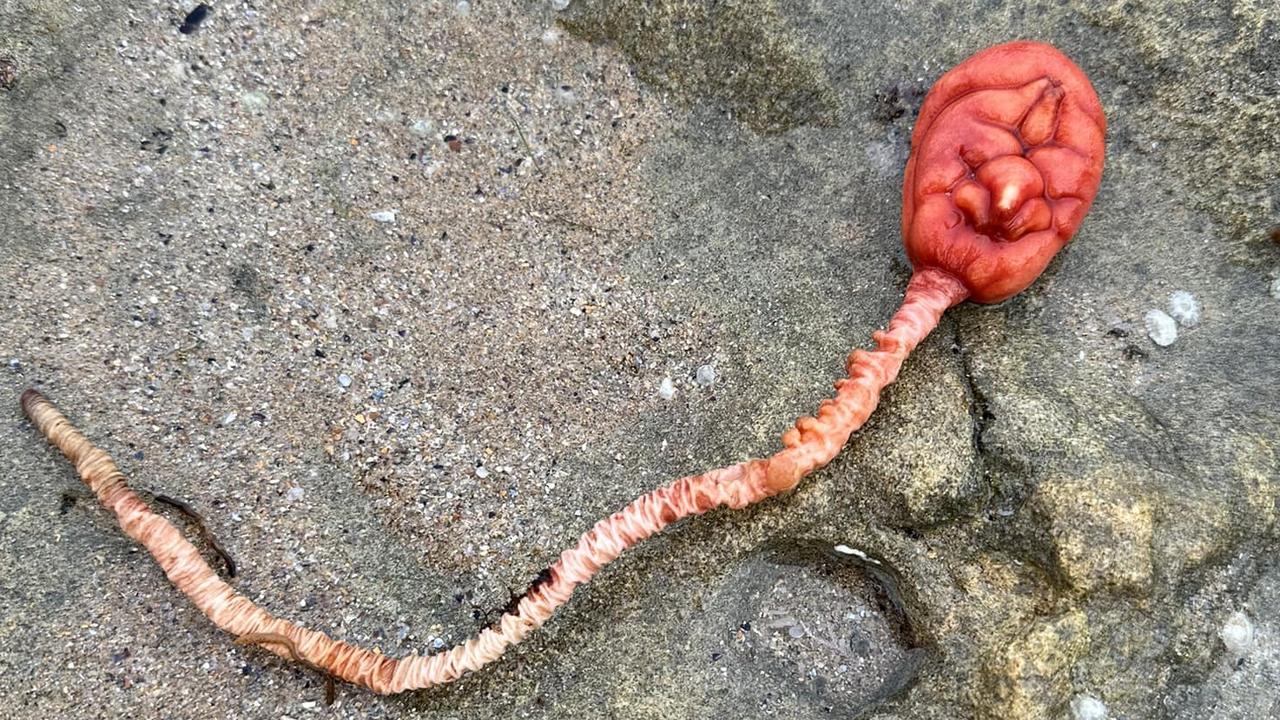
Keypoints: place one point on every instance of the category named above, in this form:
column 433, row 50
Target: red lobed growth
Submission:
column 1006, row 158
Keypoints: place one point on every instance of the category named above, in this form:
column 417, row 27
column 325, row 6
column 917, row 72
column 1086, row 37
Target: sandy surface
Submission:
column 388, row 291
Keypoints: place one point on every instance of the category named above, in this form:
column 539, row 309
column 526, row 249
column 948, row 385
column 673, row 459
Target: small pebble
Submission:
column 254, row 100
column 384, row 216
column 437, row 643
column 1184, row 308
column 421, row 127
column 194, row 18
column 482, row 472
column 566, row 95
column 463, row 7
column 294, row 494
column 560, row 4
column 15, row 364
column 705, row 376
column 666, row 389
column 1161, row 328
column 1237, row 634
column 551, row 36
column 344, row 380
column 229, row 418
column 796, row 632
column 247, row 334
column 1275, row 288
column 1087, row 707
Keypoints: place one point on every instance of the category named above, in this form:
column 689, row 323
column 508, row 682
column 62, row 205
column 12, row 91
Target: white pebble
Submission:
column 384, row 216
column 294, row 494
column 1161, row 328
column 705, row 376
column 795, row 632
column 566, row 95
column 1184, row 308
column 482, row 472
column 463, row 7
column 1087, row 707
column 551, row 36
column 421, row 126
column 666, row 389
column 1275, row 288
column 229, row 418
column 254, row 100
column 344, row 380
column 247, row 334
column 1237, row 634
column 560, row 4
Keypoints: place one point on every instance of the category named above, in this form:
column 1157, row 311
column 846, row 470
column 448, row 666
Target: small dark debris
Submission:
column 158, row 142
column 8, row 72
column 194, row 18
column 1133, row 352
column 120, row 656
column 453, row 142
column 897, row 99
column 1274, row 234
column 198, row 520
column 66, row 500
column 715, row 657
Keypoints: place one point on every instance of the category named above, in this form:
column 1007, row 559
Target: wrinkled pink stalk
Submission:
column 812, row 443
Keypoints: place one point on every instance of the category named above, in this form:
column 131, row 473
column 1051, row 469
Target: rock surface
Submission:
column 585, row 203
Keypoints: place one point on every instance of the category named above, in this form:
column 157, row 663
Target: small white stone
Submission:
column 294, row 494
column 705, row 376
column 421, row 126
column 1161, row 328
column 229, row 418
column 560, row 4
column 1237, row 634
column 666, row 389
column 551, row 36
column 566, row 95
column 254, row 100
column 1184, row 308
column 482, row 472
column 344, row 380
column 384, row 216
column 1087, row 707
column 247, row 334
column 463, row 7
column 1275, row 288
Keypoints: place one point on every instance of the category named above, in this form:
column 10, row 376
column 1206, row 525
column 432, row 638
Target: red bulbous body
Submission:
column 1006, row 158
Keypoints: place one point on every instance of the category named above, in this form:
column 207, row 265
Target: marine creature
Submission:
column 1007, row 155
